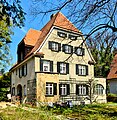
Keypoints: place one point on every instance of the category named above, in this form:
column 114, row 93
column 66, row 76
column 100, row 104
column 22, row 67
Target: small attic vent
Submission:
column 116, row 72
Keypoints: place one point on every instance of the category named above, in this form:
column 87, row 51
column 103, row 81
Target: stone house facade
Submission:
column 55, row 64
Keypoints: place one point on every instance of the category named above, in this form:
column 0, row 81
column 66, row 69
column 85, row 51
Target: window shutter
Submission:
column 71, row 49
column 23, row 70
column 67, row 68
column 26, row 69
column 86, row 70
column 41, row 65
column 60, row 89
column 50, row 44
column 77, row 69
column 55, row 88
column 75, row 50
column 19, row 72
column 77, row 89
column 63, row 47
column 58, row 67
column 87, row 90
column 68, row 89
column 59, row 46
column 83, row 51
column 51, row 66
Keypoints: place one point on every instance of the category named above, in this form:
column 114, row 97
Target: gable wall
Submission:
column 61, row 56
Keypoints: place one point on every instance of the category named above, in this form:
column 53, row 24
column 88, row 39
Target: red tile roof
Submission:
column 31, row 37
column 113, row 71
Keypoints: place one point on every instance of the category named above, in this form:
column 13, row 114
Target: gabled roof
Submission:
column 31, row 37
column 35, row 38
column 58, row 20
column 113, row 71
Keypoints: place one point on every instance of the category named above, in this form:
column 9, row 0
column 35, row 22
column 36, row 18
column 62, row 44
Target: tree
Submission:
column 102, row 47
column 98, row 14
column 11, row 15
column 4, row 86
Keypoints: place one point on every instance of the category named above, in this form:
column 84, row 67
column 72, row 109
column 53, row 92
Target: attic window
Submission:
column 72, row 37
column 61, row 34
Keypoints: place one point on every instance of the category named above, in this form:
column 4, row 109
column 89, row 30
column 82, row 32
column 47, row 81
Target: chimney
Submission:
column 52, row 16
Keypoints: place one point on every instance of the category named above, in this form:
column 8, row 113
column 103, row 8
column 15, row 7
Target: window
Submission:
column 24, row 90
column 72, row 37
column 54, row 46
column 51, row 89
column 81, row 69
column 99, row 89
column 82, row 89
column 25, row 70
column 79, row 51
column 64, row 89
column 16, row 71
column 61, row 34
column 22, row 55
column 20, row 72
column 67, row 48
column 13, row 91
column 46, row 66
column 63, row 68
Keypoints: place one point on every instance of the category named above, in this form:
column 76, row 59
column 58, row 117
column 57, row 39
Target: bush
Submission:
column 112, row 98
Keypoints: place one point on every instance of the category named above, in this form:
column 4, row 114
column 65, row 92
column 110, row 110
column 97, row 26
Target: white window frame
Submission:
column 46, row 66
column 82, row 89
column 82, row 69
column 63, row 68
column 79, row 51
column 63, row 89
column 54, row 46
column 99, row 89
column 49, row 89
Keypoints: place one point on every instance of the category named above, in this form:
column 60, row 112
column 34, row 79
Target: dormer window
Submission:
column 67, row 48
column 54, row 46
column 79, row 51
column 72, row 37
column 61, row 34
column 21, row 55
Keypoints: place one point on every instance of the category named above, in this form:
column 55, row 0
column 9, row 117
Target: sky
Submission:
column 19, row 33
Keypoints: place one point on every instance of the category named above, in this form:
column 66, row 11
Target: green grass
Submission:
column 87, row 112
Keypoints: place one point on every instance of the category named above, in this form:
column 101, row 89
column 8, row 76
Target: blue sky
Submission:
column 19, row 33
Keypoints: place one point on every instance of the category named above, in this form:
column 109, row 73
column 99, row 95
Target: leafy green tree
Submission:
column 11, row 15
column 101, row 46
column 4, row 86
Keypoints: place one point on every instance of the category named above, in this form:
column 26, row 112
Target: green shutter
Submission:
column 87, row 90
column 55, row 89
column 67, row 68
column 41, row 65
column 59, row 46
column 58, row 67
column 83, row 51
column 86, row 70
column 77, row 69
column 50, row 44
column 63, row 47
column 68, row 89
column 60, row 89
column 77, row 89
column 51, row 66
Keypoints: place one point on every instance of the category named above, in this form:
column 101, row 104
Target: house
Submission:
column 55, row 64
column 112, row 76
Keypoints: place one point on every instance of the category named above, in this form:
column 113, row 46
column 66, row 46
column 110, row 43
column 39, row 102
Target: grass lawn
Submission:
column 87, row 112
